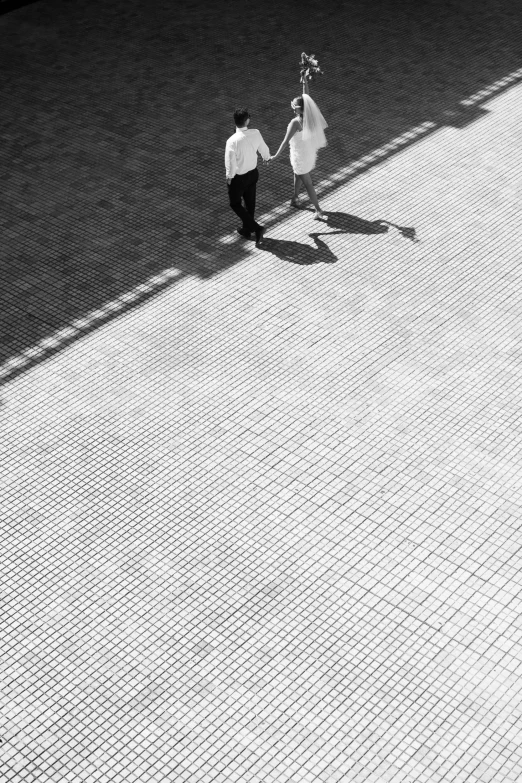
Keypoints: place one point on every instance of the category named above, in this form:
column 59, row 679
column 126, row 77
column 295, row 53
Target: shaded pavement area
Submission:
column 114, row 118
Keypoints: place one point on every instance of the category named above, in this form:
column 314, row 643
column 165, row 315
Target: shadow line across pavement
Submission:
column 467, row 111
column 114, row 117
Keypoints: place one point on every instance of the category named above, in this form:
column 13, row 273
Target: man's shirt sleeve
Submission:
column 230, row 160
column 263, row 148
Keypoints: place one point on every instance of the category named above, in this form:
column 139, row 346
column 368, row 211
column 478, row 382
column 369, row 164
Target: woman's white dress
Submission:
column 302, row 154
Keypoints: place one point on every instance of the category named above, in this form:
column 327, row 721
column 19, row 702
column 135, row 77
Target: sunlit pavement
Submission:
column 266, row 525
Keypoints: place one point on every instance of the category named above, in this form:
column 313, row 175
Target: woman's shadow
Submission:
column 341, row 223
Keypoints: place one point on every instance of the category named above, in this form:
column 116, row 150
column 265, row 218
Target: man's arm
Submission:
column 230, row 161
column 263, row 149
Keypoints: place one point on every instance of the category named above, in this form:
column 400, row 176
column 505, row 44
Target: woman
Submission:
column 305, row 135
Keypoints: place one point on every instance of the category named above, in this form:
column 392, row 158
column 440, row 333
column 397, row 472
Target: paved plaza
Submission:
column 261, row 508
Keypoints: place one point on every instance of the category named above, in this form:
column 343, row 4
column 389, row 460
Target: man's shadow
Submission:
column 298, row 252
column 341, row 223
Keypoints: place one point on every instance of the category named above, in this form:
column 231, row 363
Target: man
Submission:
column 242, row 174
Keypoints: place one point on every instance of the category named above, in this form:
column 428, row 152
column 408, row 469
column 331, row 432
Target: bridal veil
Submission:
column 313, row 123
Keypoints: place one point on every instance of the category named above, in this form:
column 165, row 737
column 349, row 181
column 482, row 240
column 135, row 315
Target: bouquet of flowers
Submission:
column 309, row 67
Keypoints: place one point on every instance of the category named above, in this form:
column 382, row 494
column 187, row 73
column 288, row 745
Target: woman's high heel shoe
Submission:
column 320, row 215
column 294, row 202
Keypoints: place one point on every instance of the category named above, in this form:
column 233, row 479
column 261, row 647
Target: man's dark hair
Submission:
column 240, row 117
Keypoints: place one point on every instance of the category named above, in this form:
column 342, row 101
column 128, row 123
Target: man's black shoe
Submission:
column 244, row 233
column 259, row 235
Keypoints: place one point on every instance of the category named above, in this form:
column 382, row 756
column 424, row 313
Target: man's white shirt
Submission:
column 241, row 151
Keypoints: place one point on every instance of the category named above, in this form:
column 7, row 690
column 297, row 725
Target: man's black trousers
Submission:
column 243, row 186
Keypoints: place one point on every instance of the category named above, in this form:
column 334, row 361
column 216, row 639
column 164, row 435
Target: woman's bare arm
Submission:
column 306, row 89
column 293, row 126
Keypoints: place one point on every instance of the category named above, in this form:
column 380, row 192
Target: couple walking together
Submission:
column 304, row 135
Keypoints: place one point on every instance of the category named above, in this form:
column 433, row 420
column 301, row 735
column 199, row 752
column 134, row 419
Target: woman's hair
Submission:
column 241, row 115
column 298, row 103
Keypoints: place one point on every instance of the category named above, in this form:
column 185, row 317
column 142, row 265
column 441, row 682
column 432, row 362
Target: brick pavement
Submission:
column 262, row 525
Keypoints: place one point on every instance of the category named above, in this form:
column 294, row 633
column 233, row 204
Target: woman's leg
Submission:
column 297, row 186
column 307, row 180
